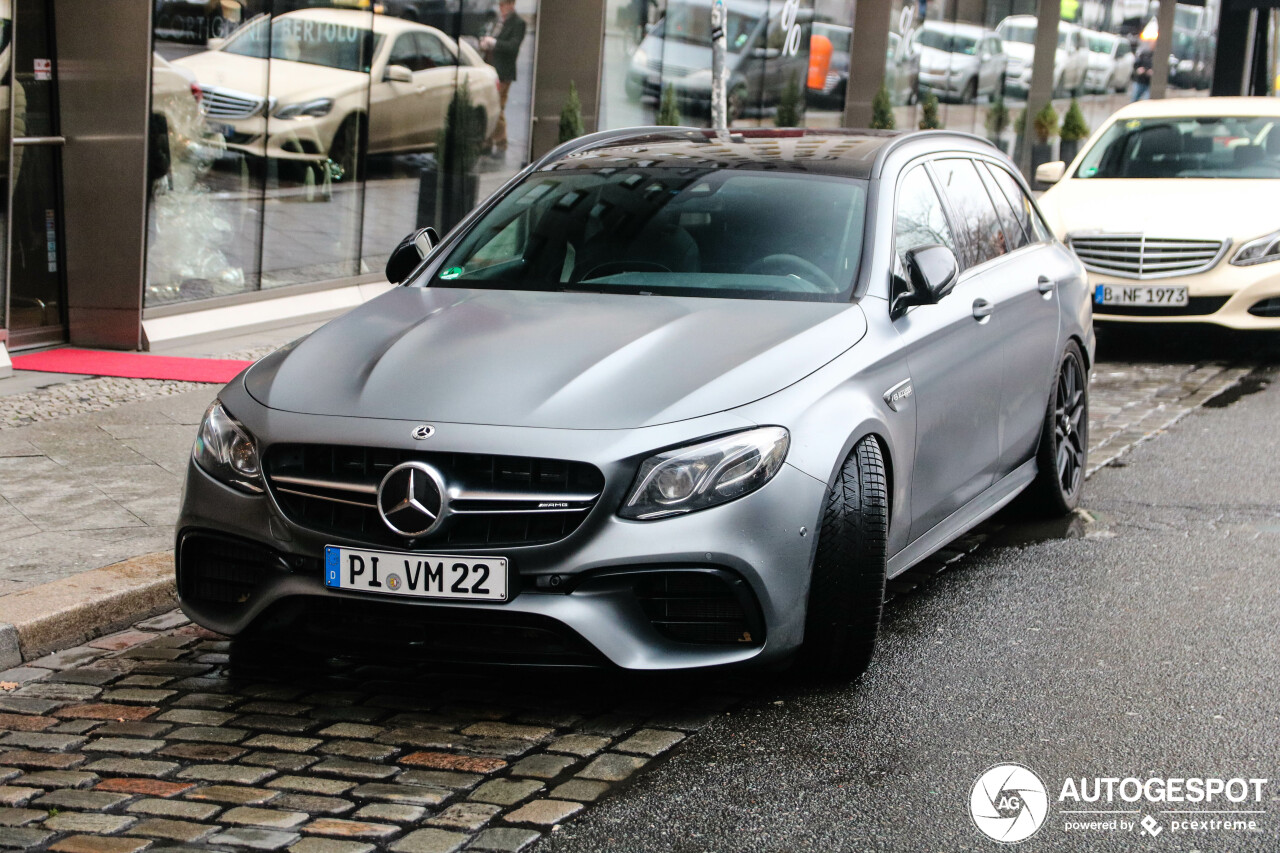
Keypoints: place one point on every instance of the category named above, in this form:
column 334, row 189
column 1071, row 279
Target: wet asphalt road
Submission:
column 1149, row 647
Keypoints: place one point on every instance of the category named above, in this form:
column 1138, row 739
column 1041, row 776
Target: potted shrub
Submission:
column 997, row 122
column 1074, row 130
column 571, row 126
column 929, row 113
column 882, row 110
column 791, row 105
column 668, row 109
column 1044, row 128
column 458, row 150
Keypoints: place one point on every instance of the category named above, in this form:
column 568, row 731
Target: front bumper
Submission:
column 305, row 139
column 1222, row 296
column 941, row 82
column 757, row 540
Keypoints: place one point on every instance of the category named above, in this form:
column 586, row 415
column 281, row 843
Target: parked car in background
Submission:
column 669, row 400
column 1110, row 62
column 332, row 78
column 758, row 60
column 960, row 62
column 1172, row 206
column 1070, row 60
column 901, row 68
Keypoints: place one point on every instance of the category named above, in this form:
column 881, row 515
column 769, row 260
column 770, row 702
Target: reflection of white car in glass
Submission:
column 960, row 61
column 329, row 77
column 1110, row 62
column 1070, row 60
column 1172, row 207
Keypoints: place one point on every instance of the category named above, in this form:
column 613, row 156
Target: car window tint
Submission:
column 1028, row 217
column 405, row 52
column 434, row 51
column 981, row 235
column 920, row 219
column 1015, row 236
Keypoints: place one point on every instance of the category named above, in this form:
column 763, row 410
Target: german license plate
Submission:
column 447, row 576
column 1140, row 295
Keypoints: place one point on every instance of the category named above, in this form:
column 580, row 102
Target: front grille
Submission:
column 219, row 570
column 227, row 103
column 705, row 606
column 494, row 500
column 1196, row 306
column 1266, row 308
column 1143, row 257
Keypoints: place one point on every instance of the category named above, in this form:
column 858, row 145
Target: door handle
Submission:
column 982, row 309
column 1045, row 284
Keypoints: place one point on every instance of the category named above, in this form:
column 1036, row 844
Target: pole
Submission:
column 719, row 108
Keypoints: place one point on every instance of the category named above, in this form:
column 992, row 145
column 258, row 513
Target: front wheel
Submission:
column 846, row 586
column 345, row 162
column 970, row 93
column 1064, row 441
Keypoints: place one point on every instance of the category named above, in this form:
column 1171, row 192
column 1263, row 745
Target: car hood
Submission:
column 555, row 360
column 940, row 60
column 287, row 81
column 1020, row 51
column 1242, row 208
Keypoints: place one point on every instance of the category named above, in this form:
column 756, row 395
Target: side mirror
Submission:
column 933, row 271
column 410, row 253
column 1050, row 173
column 398, row 74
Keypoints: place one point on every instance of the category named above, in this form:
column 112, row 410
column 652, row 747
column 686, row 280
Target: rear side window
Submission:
column 1028, row 217
column 920, row 219
column 1015, row 237
column 980, row 231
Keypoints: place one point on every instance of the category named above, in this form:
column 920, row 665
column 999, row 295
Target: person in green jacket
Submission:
column 501, row 48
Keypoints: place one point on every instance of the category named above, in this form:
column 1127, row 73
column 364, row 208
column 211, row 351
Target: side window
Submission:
column 1028, row 217
column 405, row 52
column 1015, row 236
column 434, row 51
column 920, row 220
column 980, row 229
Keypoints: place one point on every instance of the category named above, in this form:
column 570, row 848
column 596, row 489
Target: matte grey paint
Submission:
column 611, row 380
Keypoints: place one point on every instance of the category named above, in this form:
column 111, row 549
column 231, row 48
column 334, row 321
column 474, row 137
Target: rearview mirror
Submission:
column 933, row 271
column 1051, row 173
column 410, row 253
column 398, row 74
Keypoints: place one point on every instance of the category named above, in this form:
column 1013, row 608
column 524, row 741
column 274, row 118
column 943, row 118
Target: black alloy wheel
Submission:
column 1064, row 440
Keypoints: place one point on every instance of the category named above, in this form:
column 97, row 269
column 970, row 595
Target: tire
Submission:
column 1064, row 441
column 344, row 151
column 846, row 586
column 970, row 92
column 1002, row 87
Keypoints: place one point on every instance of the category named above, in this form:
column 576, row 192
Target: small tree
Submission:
column 571, row 116
column 668, row 109
column 929, row 113
column 997, row 118
column 1045, row 124
column 790, row 105
column 462, row 137
column 1074, row 127
column 882, row 110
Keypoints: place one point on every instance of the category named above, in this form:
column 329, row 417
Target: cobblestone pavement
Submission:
column 162, row 735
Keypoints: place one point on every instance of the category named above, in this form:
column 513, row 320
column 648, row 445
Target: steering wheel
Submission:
column 612, row 267
column 809, row 273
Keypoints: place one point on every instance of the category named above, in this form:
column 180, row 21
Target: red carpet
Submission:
column 134, row 365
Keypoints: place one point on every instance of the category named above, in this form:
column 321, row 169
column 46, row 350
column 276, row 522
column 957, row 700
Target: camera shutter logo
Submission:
column 1008, row 803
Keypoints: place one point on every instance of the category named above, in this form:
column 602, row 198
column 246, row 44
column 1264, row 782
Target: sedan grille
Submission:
column 227, row 103
column 494, row 500
column 1143, row 257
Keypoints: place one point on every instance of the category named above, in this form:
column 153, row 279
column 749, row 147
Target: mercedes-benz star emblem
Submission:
column 412, row 499
column 422, row 431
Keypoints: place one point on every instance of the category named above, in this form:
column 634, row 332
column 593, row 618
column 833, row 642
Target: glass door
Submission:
column 37, row 288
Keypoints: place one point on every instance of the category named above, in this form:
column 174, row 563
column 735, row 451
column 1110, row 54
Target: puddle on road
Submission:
column 1250, row 383
column 1022, row 532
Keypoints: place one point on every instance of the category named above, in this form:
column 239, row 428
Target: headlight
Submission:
column 226, row 451
column 309, row 109
column 1258, row 251
column 706, row 474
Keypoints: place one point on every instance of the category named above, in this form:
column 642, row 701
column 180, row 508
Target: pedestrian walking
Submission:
column 501, row 48
column 1143, row 61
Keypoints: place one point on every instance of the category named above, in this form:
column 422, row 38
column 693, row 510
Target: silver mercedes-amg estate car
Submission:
column 670, row 398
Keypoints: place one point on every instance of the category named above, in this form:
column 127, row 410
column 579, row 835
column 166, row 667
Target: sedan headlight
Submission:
column 307, row 109
column 226, row 451
column 706, row 474
column 1258, row 251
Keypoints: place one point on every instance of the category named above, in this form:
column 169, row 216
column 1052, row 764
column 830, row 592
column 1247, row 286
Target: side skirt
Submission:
column 977, row 510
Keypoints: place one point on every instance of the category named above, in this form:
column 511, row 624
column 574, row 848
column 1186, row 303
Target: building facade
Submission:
column 178, row 168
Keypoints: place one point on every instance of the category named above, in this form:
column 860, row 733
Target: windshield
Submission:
column 1019, row 33
column 1192, row 147
column 305, row 40
column 1101, row 44
column 949, row 42
column 1063, row 35
column 668, row 231
column 692, row 24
